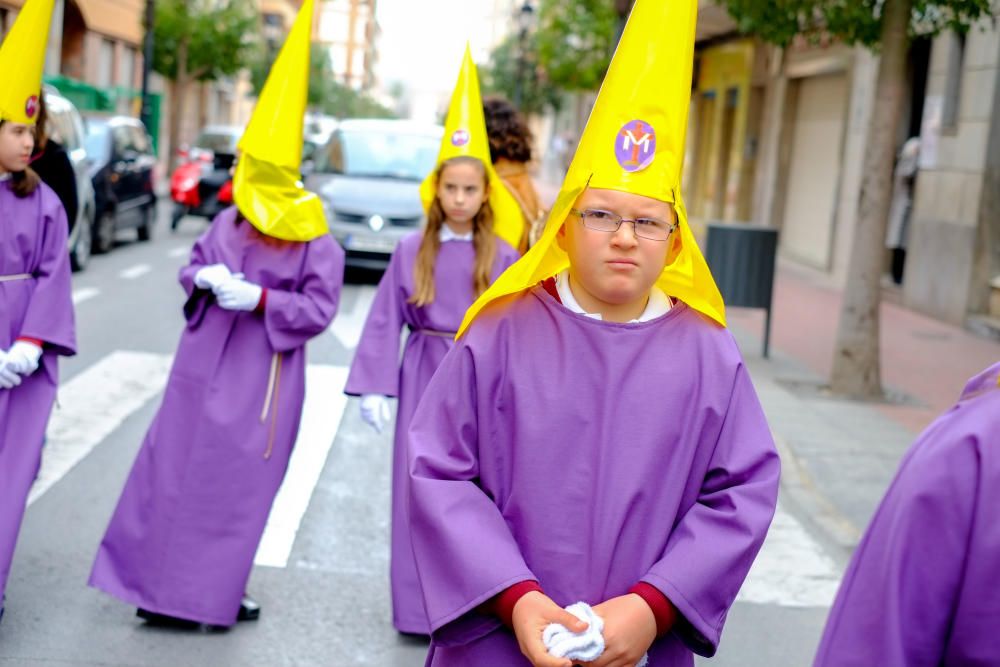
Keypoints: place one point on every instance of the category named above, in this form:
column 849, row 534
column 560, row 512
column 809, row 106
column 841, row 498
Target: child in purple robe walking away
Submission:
column 433, row 277
column 593, row 437
column 922, row 587
column 36, row 309
column 262, row 281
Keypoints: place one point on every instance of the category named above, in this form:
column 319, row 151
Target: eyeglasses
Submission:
column 606, row 221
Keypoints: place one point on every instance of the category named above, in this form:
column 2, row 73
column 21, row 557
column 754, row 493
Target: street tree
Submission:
column 576, row 39
column 884, row 27
column 514, row 66
column 199, row 41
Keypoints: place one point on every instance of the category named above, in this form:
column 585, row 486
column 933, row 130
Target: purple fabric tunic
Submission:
column 922, row 587
column 376, row 370
column 32, row 241
column 183, row 537
column 588, row 455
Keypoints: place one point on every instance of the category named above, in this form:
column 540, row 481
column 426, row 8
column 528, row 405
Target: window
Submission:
column 953, row 81
column 140, row 141
column 105, row 63
column 126, row 72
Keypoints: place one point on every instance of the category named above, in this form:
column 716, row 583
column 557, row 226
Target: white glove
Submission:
column 238, row 294
column 375, row 411
column 8, row 376
column 211, row 276
column 22, row 358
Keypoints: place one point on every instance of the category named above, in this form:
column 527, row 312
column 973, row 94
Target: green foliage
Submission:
column 501, row 76
column 325, row 94
column 576, row 39
column 852, row 21
column 211, row 33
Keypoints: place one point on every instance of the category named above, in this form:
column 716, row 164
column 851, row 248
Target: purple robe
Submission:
column 32, row 241
column 376, row 369
column 183, row 537
column 588, row 455
column 922, row 587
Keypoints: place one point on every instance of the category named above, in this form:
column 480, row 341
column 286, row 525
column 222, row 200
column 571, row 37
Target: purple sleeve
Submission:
column 464, row 551
column 899, row 602
column 375, row 369
column 713, row 545
column 50, row 316
column 292, row 318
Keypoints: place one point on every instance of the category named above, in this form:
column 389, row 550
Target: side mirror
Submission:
column 308, row 167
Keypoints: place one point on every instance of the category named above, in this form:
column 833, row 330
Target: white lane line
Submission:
column 182, row 251
column 347, row 326
column 321, row 414
column 133, row 272
column 84, row 294
column 792, row 569
column 92, row 405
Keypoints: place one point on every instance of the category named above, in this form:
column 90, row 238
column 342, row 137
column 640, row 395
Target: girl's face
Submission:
column 16, row 142
column 462, row 191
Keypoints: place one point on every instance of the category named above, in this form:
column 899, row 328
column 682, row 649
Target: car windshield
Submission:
column 96, row 141
column 379, row 153
column 217, row 142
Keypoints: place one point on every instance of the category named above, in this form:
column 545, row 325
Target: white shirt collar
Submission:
column 6, row 176
column 658, row 304
column 447, row 235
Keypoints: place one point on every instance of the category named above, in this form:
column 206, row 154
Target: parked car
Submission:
column 368, row 176
column 65, row 126
column 203, row 173
column 122, row 165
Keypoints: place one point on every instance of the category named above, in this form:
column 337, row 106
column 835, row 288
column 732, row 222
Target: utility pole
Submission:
column 146, row 113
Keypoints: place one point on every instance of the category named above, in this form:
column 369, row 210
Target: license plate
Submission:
column 369, row 244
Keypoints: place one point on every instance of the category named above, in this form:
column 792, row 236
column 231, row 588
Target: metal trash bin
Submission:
column 741, row 257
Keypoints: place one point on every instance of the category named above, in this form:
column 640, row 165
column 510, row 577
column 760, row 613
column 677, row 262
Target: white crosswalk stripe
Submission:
column 347, row 326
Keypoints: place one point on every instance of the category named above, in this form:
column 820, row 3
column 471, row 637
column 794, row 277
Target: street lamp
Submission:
column 525, row 17
column 146, row 111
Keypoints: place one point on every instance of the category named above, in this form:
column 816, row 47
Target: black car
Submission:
column 121, row 168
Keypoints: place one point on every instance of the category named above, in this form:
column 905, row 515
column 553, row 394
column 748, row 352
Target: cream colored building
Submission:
column 349, row 29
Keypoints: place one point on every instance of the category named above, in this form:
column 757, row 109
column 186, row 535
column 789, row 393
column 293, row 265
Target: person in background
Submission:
column 50, row 161
column 901, row 208
column 433, row 277
column 510, row 150
column 262, row 281
column 36, row 308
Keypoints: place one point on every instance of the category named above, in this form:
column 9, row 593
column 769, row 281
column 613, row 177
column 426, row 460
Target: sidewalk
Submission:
column 838, row 456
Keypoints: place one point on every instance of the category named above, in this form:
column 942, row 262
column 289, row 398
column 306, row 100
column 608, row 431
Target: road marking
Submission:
column 134, row 272
column 92, row 405
column 84, row 294
column 347, row 326
column 792, row 569
column 182, row 251
column 324, row 406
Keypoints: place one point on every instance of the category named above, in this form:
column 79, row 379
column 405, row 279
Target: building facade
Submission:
column 350, row 31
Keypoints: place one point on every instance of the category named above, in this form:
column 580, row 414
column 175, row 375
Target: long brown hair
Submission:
column 483, row 241
column 23, row 183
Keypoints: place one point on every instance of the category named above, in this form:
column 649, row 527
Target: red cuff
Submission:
column 503, row 604
column 663, row 610
column 36, row 341
column 263, row 301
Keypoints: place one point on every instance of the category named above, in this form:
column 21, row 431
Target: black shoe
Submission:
column 162, row 620
column 249, row 609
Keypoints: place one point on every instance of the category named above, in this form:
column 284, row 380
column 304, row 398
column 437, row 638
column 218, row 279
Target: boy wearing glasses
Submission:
column 593, row 435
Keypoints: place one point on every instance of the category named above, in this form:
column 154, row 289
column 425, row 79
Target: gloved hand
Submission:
column 238, row 294
column 8, row 377
column 211, row 276
column 375, row 411
column 22, row 358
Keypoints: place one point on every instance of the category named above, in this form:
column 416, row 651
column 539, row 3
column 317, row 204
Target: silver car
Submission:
column 368, row 176
column 66, row 126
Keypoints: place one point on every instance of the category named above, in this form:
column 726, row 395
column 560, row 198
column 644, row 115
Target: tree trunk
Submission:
column 856, row 367
column 178, row 89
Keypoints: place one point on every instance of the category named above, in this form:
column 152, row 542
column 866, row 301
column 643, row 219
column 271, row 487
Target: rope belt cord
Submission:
column 273, row 386
column 432, row 332
column 16, row 276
